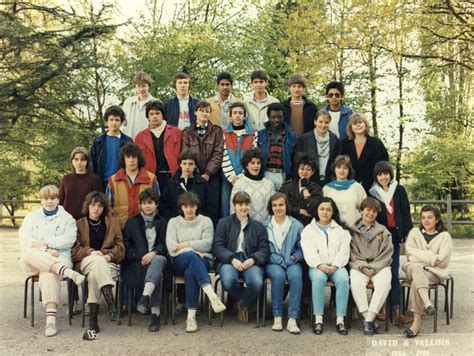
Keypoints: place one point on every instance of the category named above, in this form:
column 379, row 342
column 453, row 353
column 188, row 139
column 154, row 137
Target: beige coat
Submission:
column 374, row 253
column 434, row 256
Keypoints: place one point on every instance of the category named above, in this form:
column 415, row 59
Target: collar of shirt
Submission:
column 118, row 136
column 202, row 127
column 364, row 228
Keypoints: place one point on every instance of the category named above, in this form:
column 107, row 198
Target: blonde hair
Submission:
column 354, row 118
column 49, row 192
column 82, row 151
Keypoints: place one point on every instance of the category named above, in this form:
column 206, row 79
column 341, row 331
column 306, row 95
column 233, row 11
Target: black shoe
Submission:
column 430, row 310
column 376, row 326
column 409, row 333
column 93, row 314
column 143, row 305
column 155, row 323
column 318, row 329
column 114, row 315
column 341, row 329
column 368, row 328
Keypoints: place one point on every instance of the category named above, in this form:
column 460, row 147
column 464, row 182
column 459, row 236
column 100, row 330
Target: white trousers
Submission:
column 99, row 273
column 382, row 284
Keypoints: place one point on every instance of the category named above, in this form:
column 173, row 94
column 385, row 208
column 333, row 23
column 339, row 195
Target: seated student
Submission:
column 255, row 184
column 277, row 141
column 184, row 180
column 145, row 259
column 284, row 263
column 160, row 143
column 241, row 250
column 46, row 237
column 75, row 185
column 371, row 255
column 105, row 148
column 326, row 246
column 339, row 113
column 130, row 180
column 239, row 136
column 303, row 194
column 189, row 242
column 97, row 253
column 428, row 250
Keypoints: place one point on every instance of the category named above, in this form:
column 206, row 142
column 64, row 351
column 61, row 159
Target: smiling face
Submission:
column 237, row 116
column 368, row 216
column 143, row 90
column 383, row 178
column 259, row 85
column 242, row 210
column 254, row 166
column 79, row 163
column 189, row 211
column 95, row 210
column 155, row 117
column 341, row 171
column 148, row 207
column 305, row 171
column 325, row 212
column 321, row 124
column 49, row 203
column 182, row 87
column 279, row 207
column 224, row 87
column 203, row 115
column 429, row 221
column 275, row 118
column 359, row 127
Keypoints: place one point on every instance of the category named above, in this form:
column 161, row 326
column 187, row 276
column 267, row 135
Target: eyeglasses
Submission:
column 334, row 95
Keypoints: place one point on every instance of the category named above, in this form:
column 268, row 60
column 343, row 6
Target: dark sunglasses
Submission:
column 334, row 95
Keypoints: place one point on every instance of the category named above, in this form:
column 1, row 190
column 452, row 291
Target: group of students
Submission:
column 245, row 198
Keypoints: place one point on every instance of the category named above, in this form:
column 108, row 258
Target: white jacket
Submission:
column 58, row 231
column 258, row 116
column 333, row 250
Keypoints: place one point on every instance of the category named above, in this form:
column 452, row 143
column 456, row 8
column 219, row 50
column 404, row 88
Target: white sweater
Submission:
column 334, row 250
column 347, row 201
column 260, row 192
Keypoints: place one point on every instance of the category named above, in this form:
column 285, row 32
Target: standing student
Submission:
column 257, row 102
column 221, row 102
column 134, row 106
column 105, row 148
column 299, row 110
column 160, row 143
column 339, row 113
column 75, row 185
column 364, row 150
column 180, row 109
column 395, row 216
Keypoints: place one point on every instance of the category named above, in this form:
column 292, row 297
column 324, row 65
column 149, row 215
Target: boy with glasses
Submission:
column 339, row 113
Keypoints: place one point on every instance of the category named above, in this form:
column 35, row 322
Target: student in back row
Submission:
column 221, row 102
column 180, row 109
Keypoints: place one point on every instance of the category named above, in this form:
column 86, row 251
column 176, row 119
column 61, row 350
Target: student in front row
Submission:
column 105, row 148
column 241, row 250
column 371, row 256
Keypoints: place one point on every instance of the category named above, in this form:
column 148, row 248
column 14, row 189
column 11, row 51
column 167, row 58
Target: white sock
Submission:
column 191, row 313
column 148, row 289
column 209, row 291
column 319, row 319
column 340, row 320
column 51, row 315
column 370, row 316
column 155, row 310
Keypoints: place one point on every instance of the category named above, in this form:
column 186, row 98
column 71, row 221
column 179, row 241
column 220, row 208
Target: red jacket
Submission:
column 171, row 147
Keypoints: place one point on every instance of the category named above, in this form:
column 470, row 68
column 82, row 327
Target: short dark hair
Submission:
column 131, row 150
column 383, row 167
column 149, row 195
column 225, row 76
column 335, row 85
column 440, row 224
column 296, row 79
column 276, row 196
column 307, row 161
column 253, row 152
column 335, row 211
column 95, row 197
column 155, row 105
column 114, row 110
column 241, row 197
column 202, row 105
column 188, row 154
column 275, row 107
column 237, row 105
column 181, row 75
column 370, row 203
column 258, row 74
column 188, row 198
column 342, row 160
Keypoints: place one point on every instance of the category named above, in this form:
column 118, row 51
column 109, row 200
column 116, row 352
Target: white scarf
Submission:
column 323, row 152
column 280, row 231
column 157, row 131
column 386, row 197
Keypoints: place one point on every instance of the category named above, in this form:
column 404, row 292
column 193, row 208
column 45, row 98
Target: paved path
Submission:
column 17, row 337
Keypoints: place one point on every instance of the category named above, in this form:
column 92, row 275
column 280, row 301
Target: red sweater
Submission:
column 73, row 191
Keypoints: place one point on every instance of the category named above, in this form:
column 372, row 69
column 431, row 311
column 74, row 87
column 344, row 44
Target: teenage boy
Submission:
column 220, row 103
column 180, row 109
column 125, row 186
column 145, row 261
column 257, row 102
column 134, row 106
column 206, row 140
column 339, row 113
column 299, row 110
column 277, row 142
column 105, row 148
column 160, row 143
column 371, row 256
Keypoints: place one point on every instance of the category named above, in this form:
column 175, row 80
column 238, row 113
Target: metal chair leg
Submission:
column 435, row 319
column 452, row 298
column 70, row 300
column 131, row 296
column 264, row 301
column 222, row 298
column 173, row 301
column 25, row 297
column 387, row 310
column 446, row 301
column 258, row 310
column 33, row 302
column 83, row 320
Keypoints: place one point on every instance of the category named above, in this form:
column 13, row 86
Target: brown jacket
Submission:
column 112, row 245
column 374, row 253
column 210, row 148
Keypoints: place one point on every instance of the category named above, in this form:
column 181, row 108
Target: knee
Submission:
column 317, row 277
column 277, row 275
column 158, row 262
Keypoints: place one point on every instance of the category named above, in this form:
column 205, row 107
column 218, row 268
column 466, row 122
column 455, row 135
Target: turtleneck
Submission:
column 50, row 213
column 252, row 177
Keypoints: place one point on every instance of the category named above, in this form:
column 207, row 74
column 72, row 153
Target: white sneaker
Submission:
column 50, row 329
column 292, row 326
column 78, row 279
column 217, row 305
column 191, row 325
column 277, row 324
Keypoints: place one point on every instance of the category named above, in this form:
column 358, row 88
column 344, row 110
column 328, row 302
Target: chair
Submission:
column 35, row 278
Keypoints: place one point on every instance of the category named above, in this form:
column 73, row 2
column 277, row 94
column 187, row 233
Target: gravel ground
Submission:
column 18, row 337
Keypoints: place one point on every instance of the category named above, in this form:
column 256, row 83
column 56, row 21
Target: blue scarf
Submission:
column 341, row 184
column 50, row 213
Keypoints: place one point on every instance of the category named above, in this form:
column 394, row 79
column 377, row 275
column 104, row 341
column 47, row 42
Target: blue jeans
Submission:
column 395, row 266
column 195, row 270
column 278, row 275
column 277, row 179
column 318, row 284
column 226, row 189
column 253, row 278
